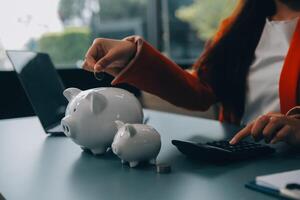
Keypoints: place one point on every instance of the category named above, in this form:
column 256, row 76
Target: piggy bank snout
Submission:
column 115, row 149
column 67, row 125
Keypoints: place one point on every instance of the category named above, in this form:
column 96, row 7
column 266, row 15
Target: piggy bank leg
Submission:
column 86, row 150
column 99, row 150
column 133, row 163
column 123, row 162
column 153, row 161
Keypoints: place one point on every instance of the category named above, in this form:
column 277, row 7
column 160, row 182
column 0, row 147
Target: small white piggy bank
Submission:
column 91, row 114
column 134, row 143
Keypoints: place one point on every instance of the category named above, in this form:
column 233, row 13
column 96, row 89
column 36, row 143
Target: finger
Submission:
column 93, row 54
column 88, row 64
column 129, row 38
column 102, row 63
column 297, row 116
column 275, row 114
column 275, row 124
column 90, row 60
column 241, row 134
column 282, row 134
column 107, row 60
column 258, row 127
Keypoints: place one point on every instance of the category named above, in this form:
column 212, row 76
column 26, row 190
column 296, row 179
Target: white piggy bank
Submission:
column 136, row 142
column 91, row 114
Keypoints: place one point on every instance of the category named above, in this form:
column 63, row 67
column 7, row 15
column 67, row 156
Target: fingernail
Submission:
column 232, row 141
column 97, row 68
column 273, row 142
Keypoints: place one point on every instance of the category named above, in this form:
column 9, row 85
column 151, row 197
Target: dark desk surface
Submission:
column 36, row 166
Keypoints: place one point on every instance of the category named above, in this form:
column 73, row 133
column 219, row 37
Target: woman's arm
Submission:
column 151, row 71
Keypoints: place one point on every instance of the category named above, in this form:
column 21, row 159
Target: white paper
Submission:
column 279, row 180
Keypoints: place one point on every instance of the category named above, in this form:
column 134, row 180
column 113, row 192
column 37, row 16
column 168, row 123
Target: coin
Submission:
column 99, row 75
column 163, row 168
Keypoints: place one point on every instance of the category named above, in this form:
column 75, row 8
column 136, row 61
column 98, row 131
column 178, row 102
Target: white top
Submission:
column 263, row 80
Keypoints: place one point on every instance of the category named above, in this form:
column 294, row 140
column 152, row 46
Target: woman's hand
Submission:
column 109, row 55
column 272, row 127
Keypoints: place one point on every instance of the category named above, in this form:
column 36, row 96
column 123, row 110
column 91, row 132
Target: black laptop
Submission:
column 43, row 87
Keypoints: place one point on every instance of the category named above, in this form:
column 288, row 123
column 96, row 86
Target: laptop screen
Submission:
column 42, row 85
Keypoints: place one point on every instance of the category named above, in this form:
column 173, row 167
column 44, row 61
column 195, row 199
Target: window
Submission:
column 66, row 28
column 188, row 24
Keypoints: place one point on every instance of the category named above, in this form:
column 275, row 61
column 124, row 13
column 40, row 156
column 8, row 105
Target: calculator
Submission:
column 222, row 151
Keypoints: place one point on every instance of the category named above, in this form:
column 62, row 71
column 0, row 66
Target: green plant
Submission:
column 66, row 47
column 205, row 15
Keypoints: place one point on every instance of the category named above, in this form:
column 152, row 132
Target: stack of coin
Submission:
column 163, row 168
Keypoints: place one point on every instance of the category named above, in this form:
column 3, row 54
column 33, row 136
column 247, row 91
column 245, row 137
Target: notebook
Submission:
column 284, row 184
column 279, row 180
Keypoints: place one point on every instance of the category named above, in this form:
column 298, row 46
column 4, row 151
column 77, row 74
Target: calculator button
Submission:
column 222, row 150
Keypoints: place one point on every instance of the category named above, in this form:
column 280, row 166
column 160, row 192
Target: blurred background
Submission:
column 66, row 28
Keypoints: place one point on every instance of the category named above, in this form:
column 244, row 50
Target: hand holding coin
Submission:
column 99, row 75
column 108, row 55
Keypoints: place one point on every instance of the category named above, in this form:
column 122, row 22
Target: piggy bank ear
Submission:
column 119, row 124
column 97, row 102
column 130, row 130
column 70, row 93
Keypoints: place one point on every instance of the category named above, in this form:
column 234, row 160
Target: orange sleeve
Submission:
column 152, row 72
